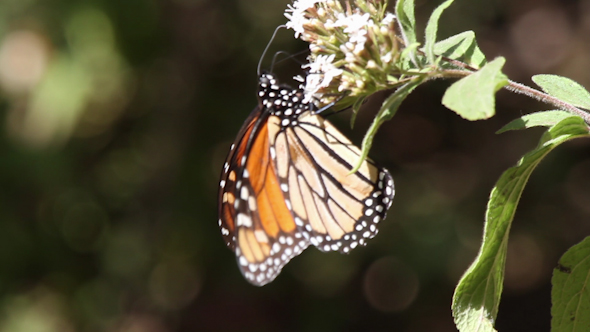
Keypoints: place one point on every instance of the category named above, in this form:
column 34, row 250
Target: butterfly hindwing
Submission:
column 335, row 209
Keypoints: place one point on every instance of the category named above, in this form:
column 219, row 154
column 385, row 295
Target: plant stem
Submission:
column 519, row 88
column 548, row 99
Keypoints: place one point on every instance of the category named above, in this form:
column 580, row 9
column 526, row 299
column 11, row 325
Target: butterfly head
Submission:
column 281, row 100
column 267, row 82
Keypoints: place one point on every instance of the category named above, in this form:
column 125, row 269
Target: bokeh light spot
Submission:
column 84, row 225
column 24, row 56
column 126, row 253
column 390, row 285
column 577, row 184
column 324, row 275
column 541, row 38
column 174, row 284
column 525, row 263
column 38, row 310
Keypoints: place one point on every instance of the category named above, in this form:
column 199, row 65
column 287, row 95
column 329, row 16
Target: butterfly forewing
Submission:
column 287, row 183
column 233, row 169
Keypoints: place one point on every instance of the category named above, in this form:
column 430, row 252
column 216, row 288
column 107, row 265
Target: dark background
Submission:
column 116, row 117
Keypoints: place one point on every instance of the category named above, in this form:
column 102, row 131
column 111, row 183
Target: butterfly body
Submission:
column 286, row 184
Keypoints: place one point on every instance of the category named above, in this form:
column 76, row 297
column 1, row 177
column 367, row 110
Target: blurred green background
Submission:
column 115, row 119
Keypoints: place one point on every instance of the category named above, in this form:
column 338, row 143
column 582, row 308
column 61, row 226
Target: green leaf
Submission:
column 565, row 89
column 473, row 96
column 407, row 57
column 356, row 107
column 462, row 47
column 537, row 119
column 387, row 111
column 404, row 11
column 571, row 281
column 477, row 296
column 431, row 30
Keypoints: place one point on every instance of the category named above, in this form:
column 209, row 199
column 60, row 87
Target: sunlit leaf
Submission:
column 570, row 297
column 473, row 97
column 537, row 119
column 564, row 88
column 431, row 30
column 404, row 10
column 356, row 107
column 408, row 57
column 462, row 47
column 477, row 296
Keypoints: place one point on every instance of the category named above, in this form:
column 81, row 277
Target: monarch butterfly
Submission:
column 286, row 184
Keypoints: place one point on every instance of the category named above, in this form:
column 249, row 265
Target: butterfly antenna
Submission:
column 330, row 105
column 267, row 47
column 289, row 56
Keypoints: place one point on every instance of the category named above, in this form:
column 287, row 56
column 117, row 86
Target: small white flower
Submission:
column 311, row 88
column 355, row 26
column 322, row 72
column 343, row 86
column 388, row 19
column 297, row 17
column 356, row 22
column 330, row 75
column 349, row 57
column 299, row 78
column 322, row 63
column 296, row 22
column 387, row 57
column 314, row 48
column 330, row 24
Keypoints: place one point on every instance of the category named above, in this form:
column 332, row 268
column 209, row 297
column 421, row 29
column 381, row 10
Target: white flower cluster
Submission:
column 341, row 44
